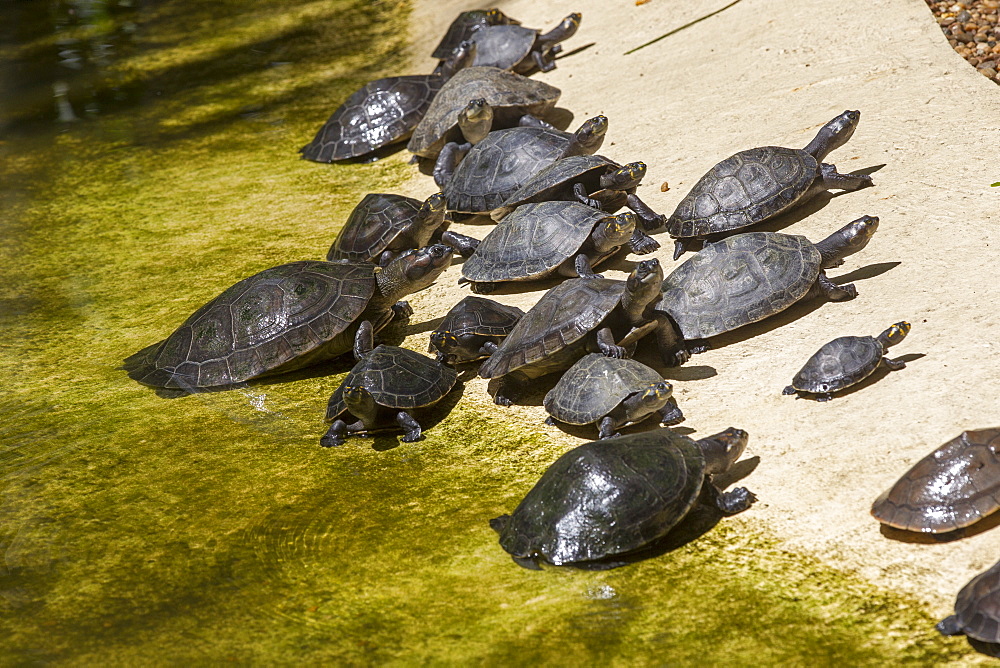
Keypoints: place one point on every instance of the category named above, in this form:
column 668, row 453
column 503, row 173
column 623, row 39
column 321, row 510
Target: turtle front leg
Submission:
column 410, row 426
column 335, row 435
column 483, row 287
column 509, row 388
column 651, row 220
column 735, row 501
column 401, row 312
column 583, row 268
column 544, row 62
column 447, row 160
column 834, row 292
column 580, row 192
column 606, row 428
column 464, row 245
column 670, row 343
column 641, row 243
column 606, row 344
column 833, row 179
column 530, row 121
column 671, row 414
column 488, row 348
column 893, row 365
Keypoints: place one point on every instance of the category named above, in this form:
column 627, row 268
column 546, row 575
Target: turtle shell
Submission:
column 953, row 487
column 510, row 95
column 498, row 165
column 606, row 498
column 480, row 316
column 465, row 25
column 738, row 280
column 560, row 319
column 375, row 222
column 503, row 46
column 396, row 378
column 595, row 386
column 280, row 319
column 744, row 189
column 839, row 364
column 532, row 242
column 555, row 181
column 977, row 608
column 380, row 113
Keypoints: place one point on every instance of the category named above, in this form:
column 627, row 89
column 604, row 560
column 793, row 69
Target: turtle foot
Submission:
column 412, row 437
column 735, row 501
column 331, row 441
column 402, row 311
column 612, row 351
column 501, row 400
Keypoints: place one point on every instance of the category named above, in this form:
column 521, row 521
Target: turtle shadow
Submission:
column 987, row 648
column 428, row 418
column 533, row 395
column 424, row 327
column 868, row 271
column 590, row 432
column 877, row 375
column 649, row 354
column 920, row 538
column 579, row 49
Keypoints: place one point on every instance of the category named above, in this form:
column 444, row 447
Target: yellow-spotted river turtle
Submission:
column 473, row 329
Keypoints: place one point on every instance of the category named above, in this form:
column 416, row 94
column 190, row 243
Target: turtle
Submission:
column 284, row 318
column 381, row 389
column 514, row 47
column 383, row 225
column 951, row 488
column 977, row 609
column 462, row 28
column 498, row 165
column 382, row 112
column 592, row 180
column 578, row 316
column 846, row 361
column 747, row 277
column 603, row 500
column 760, row 183
column 612, row 393
column 472, row 329
column 503, row 99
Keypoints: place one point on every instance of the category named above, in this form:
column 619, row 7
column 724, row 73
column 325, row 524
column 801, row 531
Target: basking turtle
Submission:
column 578, row 316
column 977, row 609
column 953, row 487
column 504, row 98
column 757, row 184
column 612, row 393
column 605, row 499
column 382, row 112
column 748, row 277
column 465, row 24
column 846, row 361
column 502, row 162
column 472, row 329
column 284, row 318
column 384, row 225
column 513, row 47
column 539, row 240
column 381, row 389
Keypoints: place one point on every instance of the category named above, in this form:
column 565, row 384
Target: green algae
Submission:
column 137, row 529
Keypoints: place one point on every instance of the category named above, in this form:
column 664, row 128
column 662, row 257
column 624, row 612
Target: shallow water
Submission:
column 134, row 528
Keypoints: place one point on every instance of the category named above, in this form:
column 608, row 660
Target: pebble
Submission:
column 973, row 30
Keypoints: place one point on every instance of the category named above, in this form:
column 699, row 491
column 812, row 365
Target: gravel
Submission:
column 973, row 30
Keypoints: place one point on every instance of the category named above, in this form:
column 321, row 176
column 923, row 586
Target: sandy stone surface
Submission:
column 758, row 74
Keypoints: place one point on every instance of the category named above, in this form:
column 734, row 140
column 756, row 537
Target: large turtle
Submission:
column 284, row 318
column 846, row 361
column 977, row 610
column 759, row 183
column 605, row 499
column 502, row 162
column 578, row 316
column 382, row 112
column 381, row 389
column 747, row 277
column 951, row 488
column 513, row 47
column 507, row 96
column 612, row 393
column 465, row 24
column 539, row 240
column 473, row 329
column 383, row 225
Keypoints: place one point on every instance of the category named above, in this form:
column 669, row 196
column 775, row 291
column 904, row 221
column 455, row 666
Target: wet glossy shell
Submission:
column 561, row 318
column 739, row 280
column 555, row 181
column 839, row 364
column 503, row 46
column 500, row 164
column 607, row 498
column 594, row 386
column 510, row 95
column 480, row 316
column 382, row 112
column 281, row 318
column 977, row 607
column 953, row 487
column 375, row 222
column 744, row 189
column 462, row 28
column 396, row 378
column 532, row 242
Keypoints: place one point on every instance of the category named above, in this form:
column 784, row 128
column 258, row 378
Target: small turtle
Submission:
column 578, row 316
column 747, row 277
column 846, row 361
column 605, row 499
column 513, row 47
column 472, row 329
column 465, row 24
column 502, row 162
column 501, row 98
column 284, row 318
column 383, row 386
column 384, row 225
column 612, row 393
column 539, row 240
column 977, row 609
column 953, row 487
column 754, row 185
column 382, row 112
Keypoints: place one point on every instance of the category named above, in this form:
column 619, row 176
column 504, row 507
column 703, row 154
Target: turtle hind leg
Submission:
column 735, row 501
column 671, row 414
column 410, row 426
column 606, row 428
column 833, row 179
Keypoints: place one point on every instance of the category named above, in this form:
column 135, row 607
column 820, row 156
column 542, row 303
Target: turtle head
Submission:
column 894, row 334
column 833, row 135
column 723, row 449
column 413, row 270
column 445, row 343
column 588, row 138
column 614, row 231
column 646, row 273
column 566, row 29
column 495, row 17
column 360, row 403
column 848, row 240
column 476, row 120
column 461, row 57
column 642, row 289
column 657, row 394
column 624, row 178
column 432, row 211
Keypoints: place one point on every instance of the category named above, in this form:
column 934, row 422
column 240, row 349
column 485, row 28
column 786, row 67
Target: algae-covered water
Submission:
column 148, row 162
